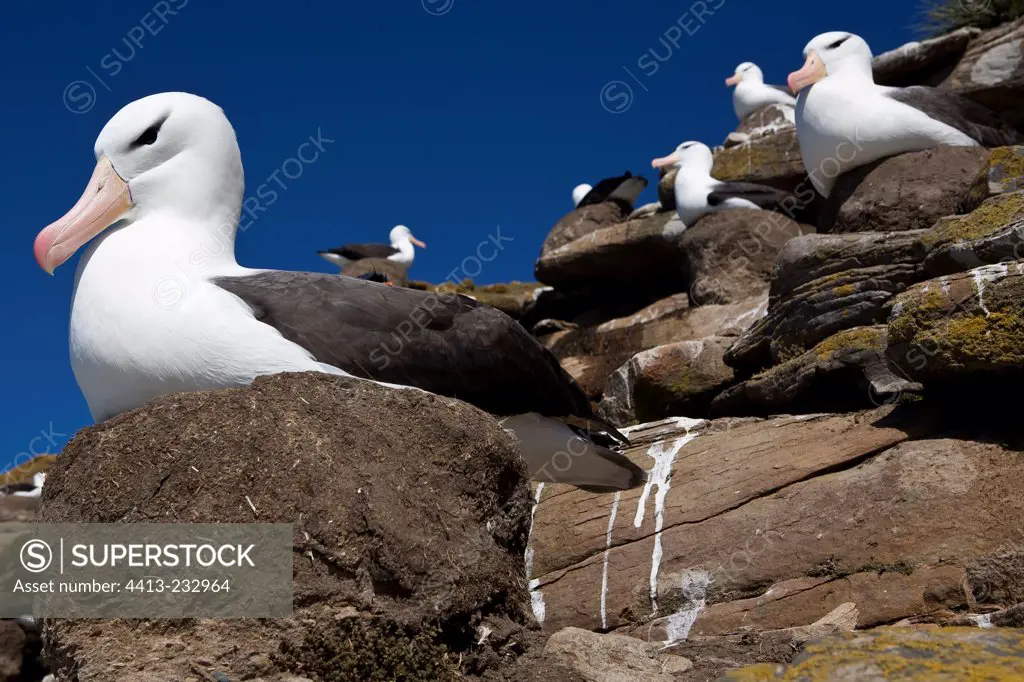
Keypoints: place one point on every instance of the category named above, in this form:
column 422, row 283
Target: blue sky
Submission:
column 450, row 116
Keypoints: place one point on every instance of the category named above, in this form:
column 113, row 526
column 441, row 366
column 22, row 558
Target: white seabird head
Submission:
column 747, row 71
column 579, row 192
column 171, row 153
column 689, row 156
column 831, row 54
column 402, row 235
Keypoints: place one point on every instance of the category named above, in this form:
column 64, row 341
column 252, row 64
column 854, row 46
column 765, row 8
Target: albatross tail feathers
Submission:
column 559, row 453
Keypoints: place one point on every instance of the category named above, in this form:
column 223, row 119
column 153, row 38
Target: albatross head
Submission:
column 579, row 193
column 400, row 234
column 747, row 71
column 831, row 54
column 171, row 153
column 689, row 156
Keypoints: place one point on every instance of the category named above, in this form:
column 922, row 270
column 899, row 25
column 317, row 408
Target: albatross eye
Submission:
column 838, row 43
column 149, row 135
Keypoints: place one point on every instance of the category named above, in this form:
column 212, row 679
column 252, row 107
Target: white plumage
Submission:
column 844, row 120
column 752, row 93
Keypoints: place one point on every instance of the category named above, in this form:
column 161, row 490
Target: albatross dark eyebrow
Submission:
column 149, row 135
column 838, row 43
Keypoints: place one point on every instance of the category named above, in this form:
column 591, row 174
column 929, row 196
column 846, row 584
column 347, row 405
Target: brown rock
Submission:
column 432, row 535
column 964, row 328
column 906, row 192
column 12, row 650
column 512, row 298
column 825, row 283
column 395, row 272
column 676, row 379
column 582, row 222
column 926, row 62
column 768, row 159
column 631, row 252
column 612, row 658
column 773, row 524
column 991, row 71
column 730, row 255
column 591, row 354
column 848, row 371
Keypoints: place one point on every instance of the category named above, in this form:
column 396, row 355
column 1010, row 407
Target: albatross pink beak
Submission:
column 664, row 161
column 812, row 71
column 733, row 80
column 105, row 200
column 417, row 242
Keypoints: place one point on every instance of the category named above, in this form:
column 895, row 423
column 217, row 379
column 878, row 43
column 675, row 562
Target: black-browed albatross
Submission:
column 401, row 250
column 844, row 120
column 698, row 193
column 752, row 92
column 160, row 304
column 623, row 190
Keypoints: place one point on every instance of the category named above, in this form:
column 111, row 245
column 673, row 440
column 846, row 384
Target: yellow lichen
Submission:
column 965, row 654
column 992, row 216
column 857, row 338
column 1008, row 161
column 845, row 290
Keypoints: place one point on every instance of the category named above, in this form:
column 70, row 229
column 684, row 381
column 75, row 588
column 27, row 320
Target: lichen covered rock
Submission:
column 847, row 371
column 992, row 233
column 823, row 284
column 901, row 653
column 964, row 328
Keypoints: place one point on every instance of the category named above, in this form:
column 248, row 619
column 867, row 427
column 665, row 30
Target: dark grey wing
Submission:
column 762, row 195
column 629, row 190
column 9, row 488
column 443, row 343
column 624, row 189
column 361, row 251
column 977, row 121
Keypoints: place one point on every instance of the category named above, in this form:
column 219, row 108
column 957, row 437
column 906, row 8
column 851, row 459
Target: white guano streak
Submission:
column 661, row 475
column 607, row 548
column 536, row 597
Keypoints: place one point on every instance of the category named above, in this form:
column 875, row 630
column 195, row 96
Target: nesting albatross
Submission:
column 401, row 250
column 623, row 190
column 160, row 304
column 844, row 120
column 752, row 92
column 698, row 193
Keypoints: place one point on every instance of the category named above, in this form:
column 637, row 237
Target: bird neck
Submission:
column 405, row 247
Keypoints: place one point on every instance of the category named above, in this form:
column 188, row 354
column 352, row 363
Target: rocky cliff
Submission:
column 823, row 401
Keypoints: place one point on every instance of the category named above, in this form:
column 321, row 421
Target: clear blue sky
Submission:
column 453, row 117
